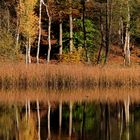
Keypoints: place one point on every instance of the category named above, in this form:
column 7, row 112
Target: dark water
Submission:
column 70, row 120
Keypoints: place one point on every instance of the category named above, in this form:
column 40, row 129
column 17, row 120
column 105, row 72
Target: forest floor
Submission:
column 116, row 55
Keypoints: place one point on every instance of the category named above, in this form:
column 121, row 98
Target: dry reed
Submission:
column 67, row 76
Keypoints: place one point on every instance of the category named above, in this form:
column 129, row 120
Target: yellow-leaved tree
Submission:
column 28, row 24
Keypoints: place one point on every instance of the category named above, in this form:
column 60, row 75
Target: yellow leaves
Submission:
column 28, row 19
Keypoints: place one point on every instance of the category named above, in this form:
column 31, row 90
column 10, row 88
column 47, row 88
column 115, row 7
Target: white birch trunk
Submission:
column 121, row 123
column 17, row 121
column 122, row 32
column 26, row 58
column 60, row 38
column 29, row 51
column 60, row 117
column 29, row 110
column 26, row 110
column 126, row 107
column 17, row 38
column 71, row 27
column 127, row 38
column 39, row 35
column 127, row 117
column 49, row 31
column 49, row 110
column 18, row 27
column 121, row 29
column 38, row 118
column 49, row 40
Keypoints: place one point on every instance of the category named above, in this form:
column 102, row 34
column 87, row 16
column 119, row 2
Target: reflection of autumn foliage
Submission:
column 27, row 130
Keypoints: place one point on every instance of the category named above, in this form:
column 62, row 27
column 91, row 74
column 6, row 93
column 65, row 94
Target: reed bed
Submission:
column 67, row 76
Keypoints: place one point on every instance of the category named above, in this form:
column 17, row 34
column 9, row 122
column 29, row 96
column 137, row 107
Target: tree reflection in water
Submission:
column 70, row 120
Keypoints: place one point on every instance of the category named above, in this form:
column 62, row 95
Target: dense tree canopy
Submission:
column 67, row 26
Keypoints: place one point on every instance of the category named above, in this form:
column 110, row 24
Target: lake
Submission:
column 82, row 114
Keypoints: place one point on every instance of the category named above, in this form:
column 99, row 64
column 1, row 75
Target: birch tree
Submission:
column 28, row 25
column 18, row 23
column 60, row 11
column 60, row 36
column 38, row 117
column 127, row 37
column 48, row 11
column 39, row 32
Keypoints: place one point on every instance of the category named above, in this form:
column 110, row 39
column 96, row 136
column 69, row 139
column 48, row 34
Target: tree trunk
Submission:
column 26, row 59
column 108, row 28
column 121, row 39
column 60, row 38
column 71, row 27
column 49, row 40
column 126, row 106
column 60, row 117
column 84, row 32
column 17, row 38
column 127, row 116
column 26, row 110
column 18, row 24
column 38, row 118
column 121, row 30
column 102, row 38
column 39, row 35
column 29, row 51
column 17, row 121
column 107, row 122
column 127, row 38
column 70, row 119
column 29, row 110
column 49, row 31
column 83, row 122
column 8, row 20
column 49, row 110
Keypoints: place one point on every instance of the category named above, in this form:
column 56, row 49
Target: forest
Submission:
column 69, row 31
column 69, row 69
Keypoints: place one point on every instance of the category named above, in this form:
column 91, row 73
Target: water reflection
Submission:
column 85, row 121
column 70, row 119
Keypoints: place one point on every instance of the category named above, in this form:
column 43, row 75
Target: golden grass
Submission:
column 67, row 76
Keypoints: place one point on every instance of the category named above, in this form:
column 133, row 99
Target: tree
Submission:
column 49, row 34
column 28, row 24
column 108, row 28
column 71, row 26
column 135, row 20
column 39, row 33
column 49, row 14
column 127, row 37
column 60, row 12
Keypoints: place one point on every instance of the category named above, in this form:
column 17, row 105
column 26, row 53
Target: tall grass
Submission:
column 67, row 76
